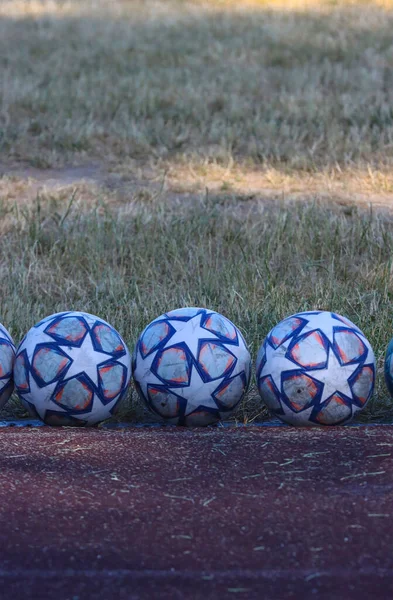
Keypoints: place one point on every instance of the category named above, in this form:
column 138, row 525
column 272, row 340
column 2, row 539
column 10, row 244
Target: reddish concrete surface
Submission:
column 229, row 513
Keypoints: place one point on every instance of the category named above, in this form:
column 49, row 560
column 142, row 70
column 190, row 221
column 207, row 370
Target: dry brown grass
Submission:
column 280, row 87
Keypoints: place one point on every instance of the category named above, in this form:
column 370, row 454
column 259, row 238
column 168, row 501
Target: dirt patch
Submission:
column 56, row 177
column 23, row 184
column 182, row 184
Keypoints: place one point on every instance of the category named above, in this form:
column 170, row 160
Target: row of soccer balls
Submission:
column 192, row 367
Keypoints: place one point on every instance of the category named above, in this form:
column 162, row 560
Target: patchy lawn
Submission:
column 233, row 155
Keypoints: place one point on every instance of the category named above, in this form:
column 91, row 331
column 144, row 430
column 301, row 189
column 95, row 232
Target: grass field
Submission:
column 237, row 155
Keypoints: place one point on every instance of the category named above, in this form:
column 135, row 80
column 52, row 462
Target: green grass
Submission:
column 253, row 262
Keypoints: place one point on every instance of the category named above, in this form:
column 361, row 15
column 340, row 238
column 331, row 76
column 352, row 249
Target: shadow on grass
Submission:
column 289, row 89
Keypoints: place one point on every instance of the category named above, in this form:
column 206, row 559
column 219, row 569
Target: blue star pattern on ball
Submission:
column 191, row 366
column 315, row 368
column 72, row 368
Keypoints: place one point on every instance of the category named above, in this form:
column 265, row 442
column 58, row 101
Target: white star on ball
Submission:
column 191, row 333
column 276, row 363
column 325, row 322
column 99, row 411
column 369, row 358
column 43, row 393
column 84, row 359
column 334, row 377
column 198, row 392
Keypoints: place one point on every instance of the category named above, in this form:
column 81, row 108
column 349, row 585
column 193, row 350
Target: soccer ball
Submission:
column 191, row 366
column 389, row 367
column 7, row 357
column 315, row 368
column 72, row 368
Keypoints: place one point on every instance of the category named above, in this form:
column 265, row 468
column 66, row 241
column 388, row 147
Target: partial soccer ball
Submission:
column 315, row 368
column 191, row 366
column 7, row 357
column 389, row 367
column 72, row 368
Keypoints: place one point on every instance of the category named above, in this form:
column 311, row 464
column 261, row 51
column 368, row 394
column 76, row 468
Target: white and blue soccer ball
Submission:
column 191, row 366
column 315, row 368
column 7, row 357
column 72, row 368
